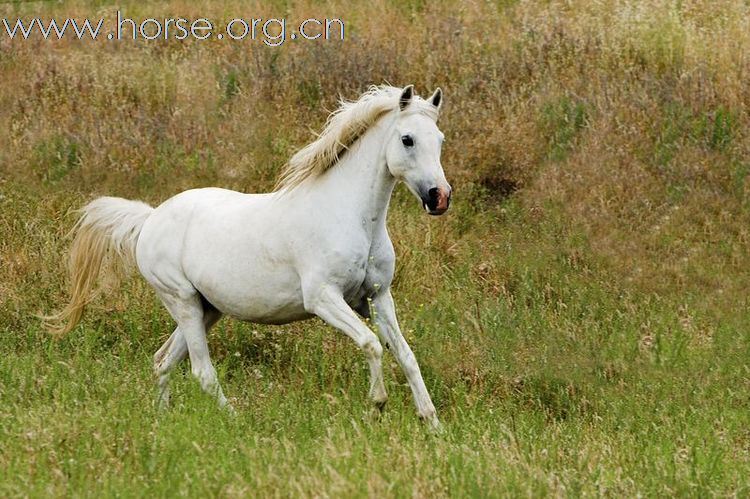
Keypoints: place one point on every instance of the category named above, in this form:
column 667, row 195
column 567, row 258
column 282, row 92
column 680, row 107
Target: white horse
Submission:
column 317, row 245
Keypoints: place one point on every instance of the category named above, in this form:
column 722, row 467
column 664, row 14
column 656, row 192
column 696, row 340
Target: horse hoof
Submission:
column 435, row 427
column 433, row 424
column 228, row 407
column 380, row 404
column 373, row 415
column 162, row 402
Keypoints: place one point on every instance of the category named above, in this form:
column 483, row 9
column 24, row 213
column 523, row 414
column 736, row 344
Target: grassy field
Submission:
column 580, row 314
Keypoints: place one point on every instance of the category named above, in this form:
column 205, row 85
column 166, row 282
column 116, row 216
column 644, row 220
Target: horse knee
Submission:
column 372, row 348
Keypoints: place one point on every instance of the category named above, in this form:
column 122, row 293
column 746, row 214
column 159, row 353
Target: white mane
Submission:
column 343, row 127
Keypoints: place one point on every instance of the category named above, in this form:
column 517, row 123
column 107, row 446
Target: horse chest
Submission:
column 367, row 274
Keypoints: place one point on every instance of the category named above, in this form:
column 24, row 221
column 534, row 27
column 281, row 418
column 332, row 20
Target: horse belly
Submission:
column 261, row 296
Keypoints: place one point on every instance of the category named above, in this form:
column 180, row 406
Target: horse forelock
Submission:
column 420, row 106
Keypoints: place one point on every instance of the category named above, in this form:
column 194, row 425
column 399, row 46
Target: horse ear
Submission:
column 406, row 95
column 437, row 98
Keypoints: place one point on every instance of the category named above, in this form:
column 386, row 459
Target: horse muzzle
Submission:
column 437, row 200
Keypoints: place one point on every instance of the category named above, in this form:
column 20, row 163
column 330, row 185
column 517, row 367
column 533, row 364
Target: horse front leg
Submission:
column 329, row 304
column 384, row 316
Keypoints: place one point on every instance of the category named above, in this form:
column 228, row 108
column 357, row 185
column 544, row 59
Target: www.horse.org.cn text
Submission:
column 273, row 32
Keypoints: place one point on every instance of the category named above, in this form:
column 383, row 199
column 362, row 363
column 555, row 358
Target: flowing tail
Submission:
column 107, row 225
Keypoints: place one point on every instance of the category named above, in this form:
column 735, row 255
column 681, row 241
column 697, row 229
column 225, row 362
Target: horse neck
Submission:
column 361, row 181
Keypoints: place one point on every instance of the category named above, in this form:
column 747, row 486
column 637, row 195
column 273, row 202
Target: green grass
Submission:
column 55, row 158
column 561, row 381
column 563, row 120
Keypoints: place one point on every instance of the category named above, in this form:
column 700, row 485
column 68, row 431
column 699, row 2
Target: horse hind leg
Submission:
column 193, row 320
column 174, row 351
column 166, row 358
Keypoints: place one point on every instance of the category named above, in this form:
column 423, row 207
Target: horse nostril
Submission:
column 433, row 197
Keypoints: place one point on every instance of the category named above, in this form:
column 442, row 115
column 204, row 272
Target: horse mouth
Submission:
column 434, row 212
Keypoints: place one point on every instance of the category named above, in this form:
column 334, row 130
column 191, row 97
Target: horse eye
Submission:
column 407, row 141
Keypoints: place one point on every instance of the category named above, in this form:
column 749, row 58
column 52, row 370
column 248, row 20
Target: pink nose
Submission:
column 444, row 201
column 437, row 201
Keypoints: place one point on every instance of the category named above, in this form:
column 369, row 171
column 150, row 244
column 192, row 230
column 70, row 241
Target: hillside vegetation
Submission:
column 580, row 314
